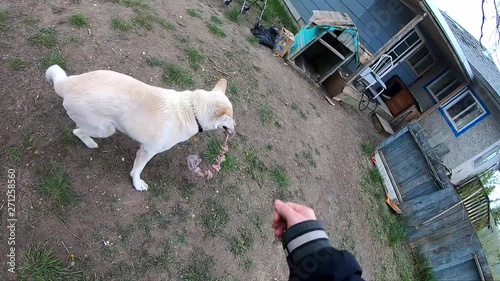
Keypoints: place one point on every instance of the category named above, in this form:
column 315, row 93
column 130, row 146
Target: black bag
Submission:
column 266, row 36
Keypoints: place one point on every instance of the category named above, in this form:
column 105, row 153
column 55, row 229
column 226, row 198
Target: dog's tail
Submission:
column 55, row 74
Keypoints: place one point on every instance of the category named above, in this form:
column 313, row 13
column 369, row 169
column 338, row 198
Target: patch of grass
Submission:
column 233, row 14
column 45, row 37
column 216, row 20
column 280, row 177
column 154, row 61
column 176, row 75
column 232, row 90
column 160, row 189
column 39, row 263
column 423, row 272
column 187, row 188
column 269, row 146
column 367, row 149
column 215, row 218
column 79, row 20
column 277, row 124
column 195, row 58
column 51, row 59
column 3, row 20
column 266, row 115
column 178, row 240
column 375, row 176
column 17, row 63
column 199, row 269
column 27, row 140
column 55, row 186
column 277, row 14
column 194, row 13
column 68, row 138
column 252, row 40
column 134, row 3
column 241, row 245
column 145, row 19
column 15, row 154
column 121, row 24
column 30, row 20
column 395, row 229
column 168, row 25
column 256, row 168
column 183, row 38
column 216, row 30
column 212, row 151
column 229, row 165
column 96, row 235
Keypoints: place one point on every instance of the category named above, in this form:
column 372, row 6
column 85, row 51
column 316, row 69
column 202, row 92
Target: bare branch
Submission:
column 482, row 22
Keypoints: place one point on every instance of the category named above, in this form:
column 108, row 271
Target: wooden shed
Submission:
column 438, row 222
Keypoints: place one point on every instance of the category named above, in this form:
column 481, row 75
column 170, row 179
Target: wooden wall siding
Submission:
column 476, row 202
column 377, row 21
column 437, row 223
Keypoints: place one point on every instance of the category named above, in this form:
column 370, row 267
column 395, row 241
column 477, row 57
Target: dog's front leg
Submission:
column 141, row 159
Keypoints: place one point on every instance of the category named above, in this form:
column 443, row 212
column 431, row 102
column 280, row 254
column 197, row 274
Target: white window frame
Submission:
column 430, row 54
column 410, row 49
column 487, row 156
column 436, row 95
column 457, row 98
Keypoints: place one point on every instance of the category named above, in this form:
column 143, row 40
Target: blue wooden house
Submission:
column 441, row 103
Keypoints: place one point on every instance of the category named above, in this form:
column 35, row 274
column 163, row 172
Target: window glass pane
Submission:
column 465, row 111
column 413, row 38
column 448, row 90
column 418, row 56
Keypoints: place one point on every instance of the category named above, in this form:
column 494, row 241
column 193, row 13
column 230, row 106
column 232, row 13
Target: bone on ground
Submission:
column 195, row 160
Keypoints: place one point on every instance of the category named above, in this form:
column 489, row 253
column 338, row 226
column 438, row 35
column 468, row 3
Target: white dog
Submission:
column 101, row 102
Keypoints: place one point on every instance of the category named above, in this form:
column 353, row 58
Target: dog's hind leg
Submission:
column 85, row 134
column 141, row 159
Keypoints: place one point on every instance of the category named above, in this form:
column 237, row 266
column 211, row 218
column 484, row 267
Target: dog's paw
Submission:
column 140, row 185
column 92, row 144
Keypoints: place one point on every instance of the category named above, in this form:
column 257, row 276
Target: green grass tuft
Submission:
column 375, row 176
column 194, row 13
column 199, row 269
column 51, row 59
column 216, row 30
column 256, row 168
column 266, row 115
column 96, row 235
column 212, row 150
column 68, row 138
column 3, row 20
column 216, row 20
column 168, row 25
column 45, row 37
column 17, row 63
column 233, row 14
column 154, row 61
column 269, row 147
column 252, row 40
column 423, row 272
column 121, row 24
column 277, row 14
column 145, row 20
column 160, row 189
column 229, row 165
column 175, row 75
column 367, row 149
column 39, row 263
column 232, row 90
column 241, row 245
column 195, row 58
column 55, row 186
column 79, row 20
column 215, row 218
column 15, row 154
column 279, row 176
column 187, row 188
column 135, row 3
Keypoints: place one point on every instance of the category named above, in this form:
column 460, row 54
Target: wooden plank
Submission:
column 464, row 271
column 331, row 49
column 420, row 190
column 396, row 38
column 392, row 138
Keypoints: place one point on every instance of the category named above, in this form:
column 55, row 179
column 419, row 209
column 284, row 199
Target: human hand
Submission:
column 289, row 214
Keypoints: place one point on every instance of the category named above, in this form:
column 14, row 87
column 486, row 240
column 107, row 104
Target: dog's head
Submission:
column 220, row 109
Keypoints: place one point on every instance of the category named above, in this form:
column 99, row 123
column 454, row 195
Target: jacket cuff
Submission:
column 303, row 239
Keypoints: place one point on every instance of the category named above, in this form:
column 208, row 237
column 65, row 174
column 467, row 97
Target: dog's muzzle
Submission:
column 230, row 132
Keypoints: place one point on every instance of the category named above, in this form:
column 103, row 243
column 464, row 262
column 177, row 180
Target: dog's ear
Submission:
column 221, row 85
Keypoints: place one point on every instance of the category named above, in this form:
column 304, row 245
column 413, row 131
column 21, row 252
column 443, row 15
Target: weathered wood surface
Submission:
column 437, row 220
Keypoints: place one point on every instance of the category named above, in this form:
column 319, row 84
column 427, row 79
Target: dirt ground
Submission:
column 291, row 144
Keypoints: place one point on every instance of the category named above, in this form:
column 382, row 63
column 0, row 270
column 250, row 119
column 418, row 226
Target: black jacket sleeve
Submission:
column 311, row 256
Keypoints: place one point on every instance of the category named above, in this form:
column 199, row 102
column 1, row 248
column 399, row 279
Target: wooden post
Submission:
column 396, row 38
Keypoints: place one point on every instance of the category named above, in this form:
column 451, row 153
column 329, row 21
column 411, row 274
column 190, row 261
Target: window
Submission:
column 463, row 111
column 421, row 61
column 406, row 47
column 490, row 154
column 443, row 85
